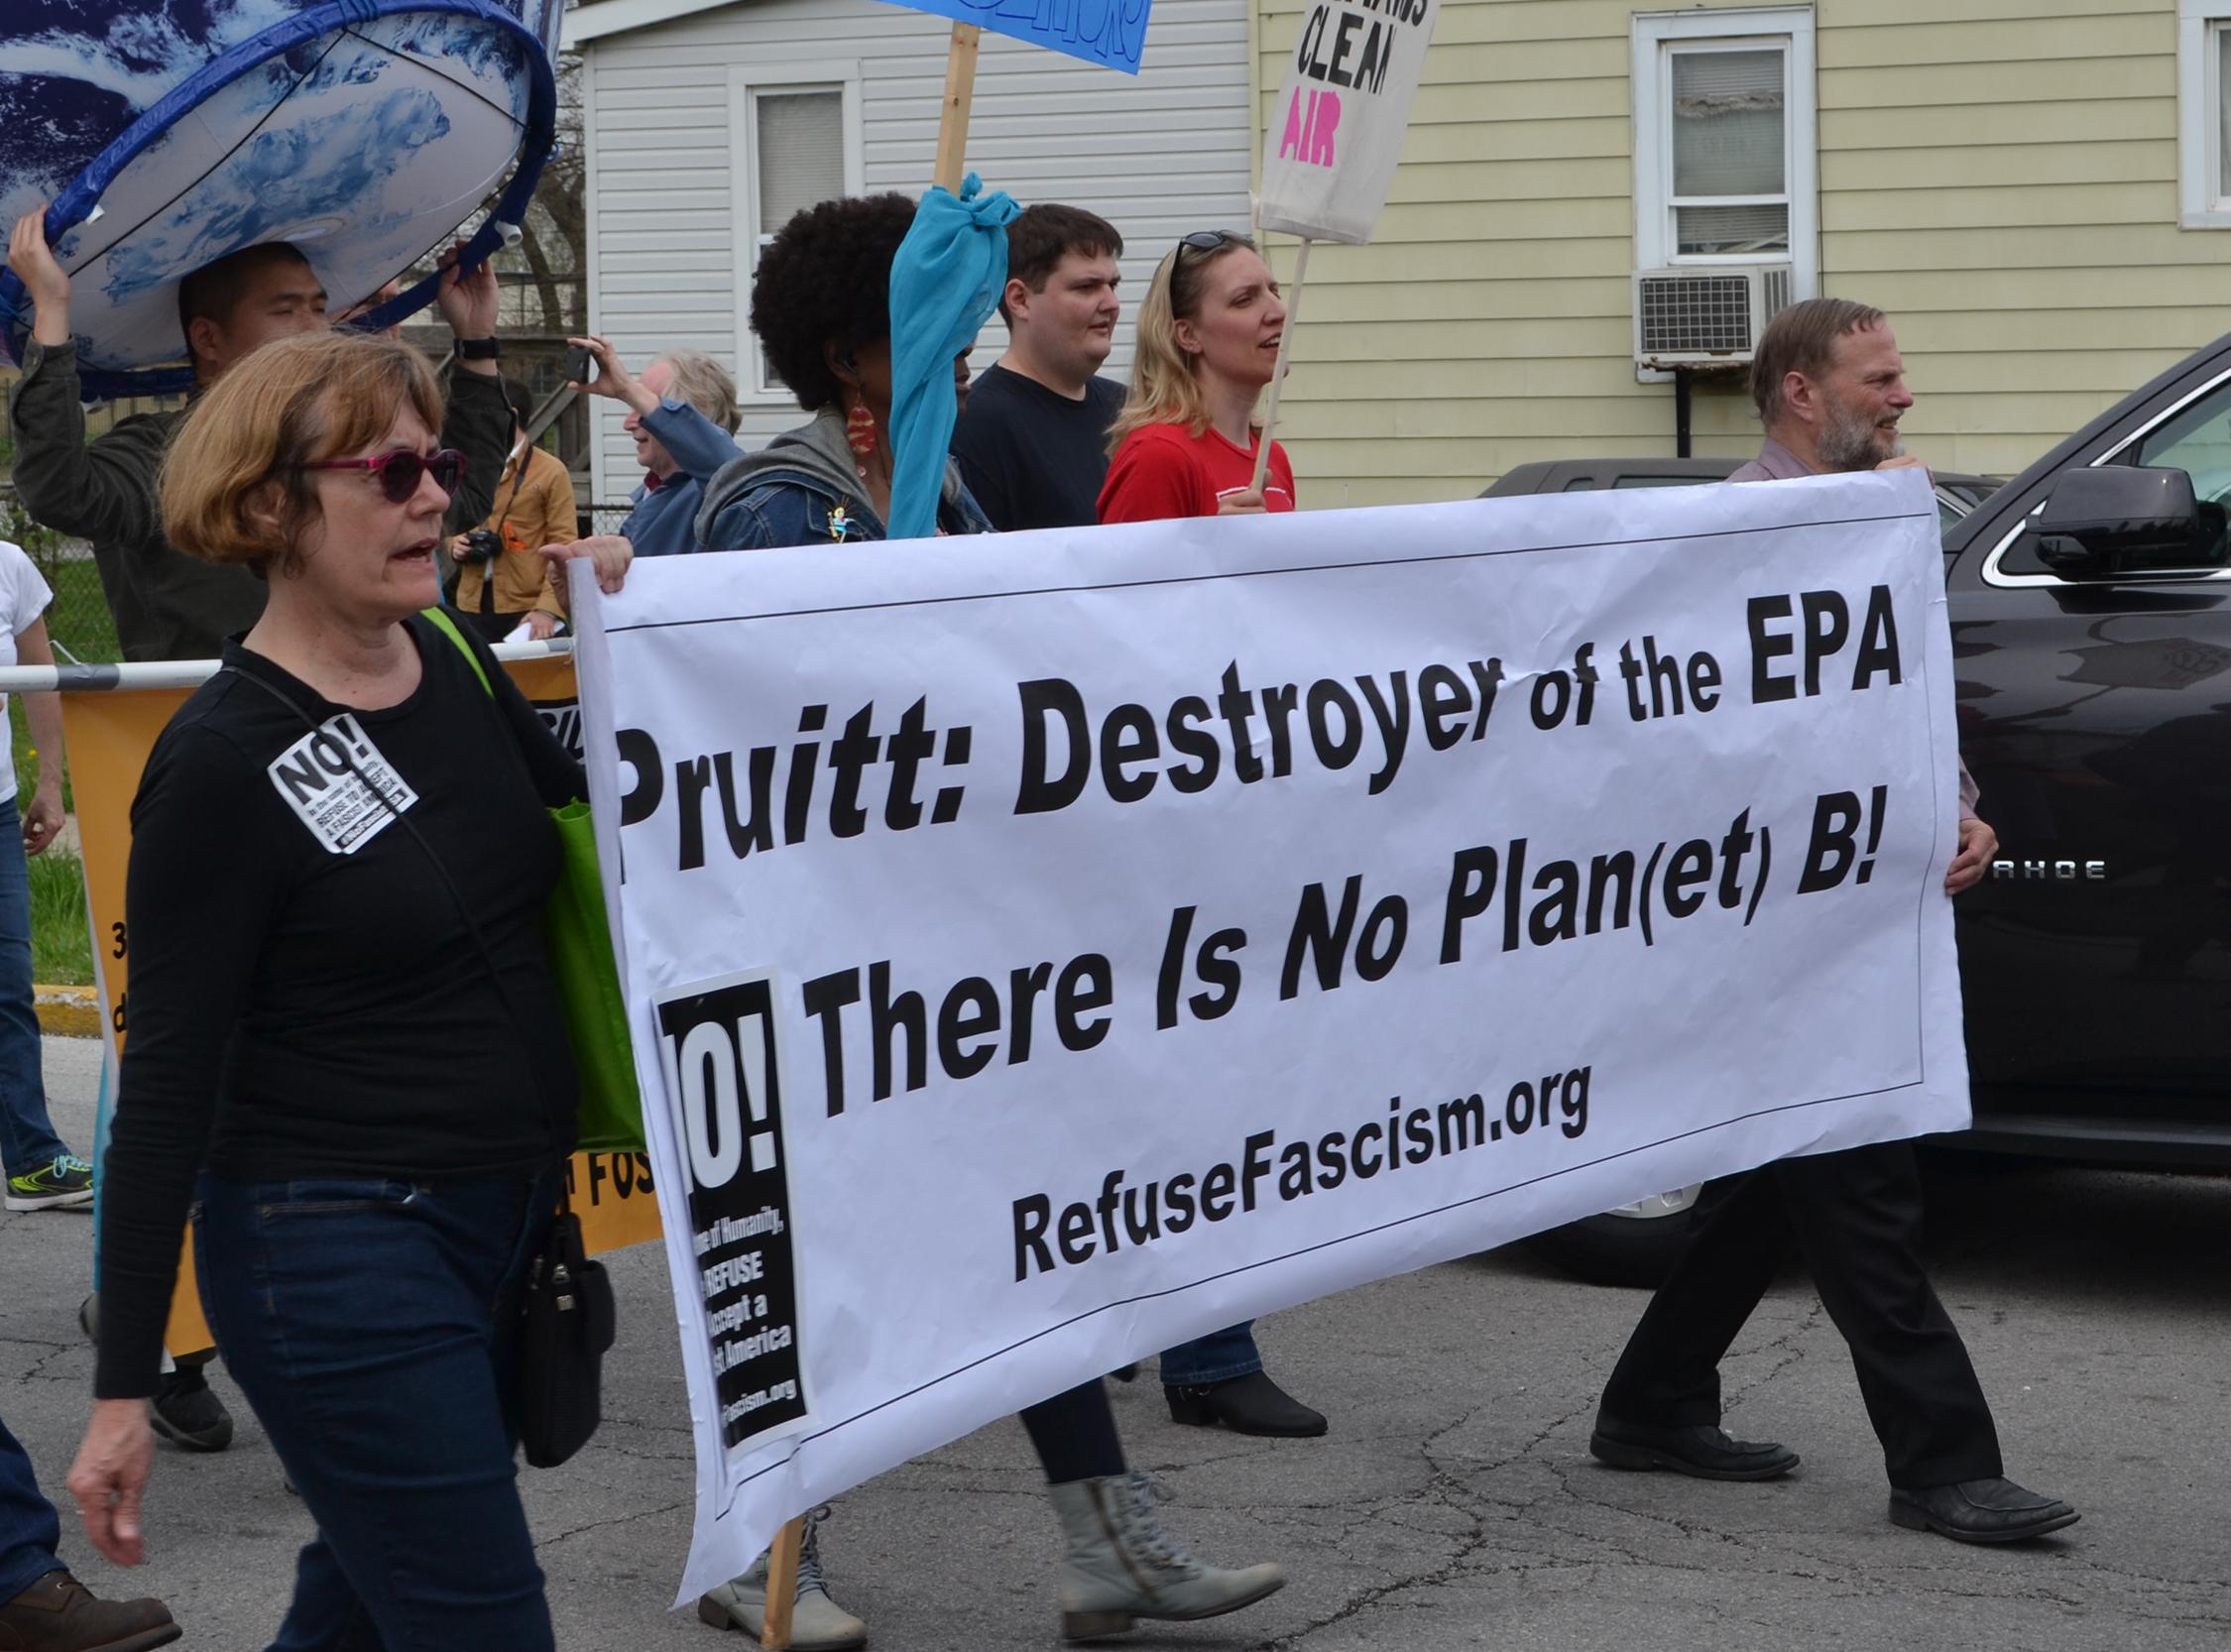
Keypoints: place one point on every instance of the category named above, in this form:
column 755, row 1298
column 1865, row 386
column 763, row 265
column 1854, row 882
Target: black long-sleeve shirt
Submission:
column 305, row 997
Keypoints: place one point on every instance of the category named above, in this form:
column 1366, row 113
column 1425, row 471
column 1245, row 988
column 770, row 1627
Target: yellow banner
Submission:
column 107, row 736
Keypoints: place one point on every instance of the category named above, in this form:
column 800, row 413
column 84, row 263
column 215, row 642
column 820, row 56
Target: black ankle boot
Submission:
column 1251, row 1404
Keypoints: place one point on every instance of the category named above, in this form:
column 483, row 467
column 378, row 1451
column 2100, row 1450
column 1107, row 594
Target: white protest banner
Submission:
column 1336, row 131
column 1050, row 947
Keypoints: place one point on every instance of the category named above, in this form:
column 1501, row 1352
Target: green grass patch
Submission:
column 62, row 947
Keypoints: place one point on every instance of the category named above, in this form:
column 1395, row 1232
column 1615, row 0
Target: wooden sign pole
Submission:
column 782, row 1586
column 1278, row 372
column 960, row 96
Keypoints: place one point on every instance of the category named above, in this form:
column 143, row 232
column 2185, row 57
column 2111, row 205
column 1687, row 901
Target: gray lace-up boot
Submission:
column 1121, row 1564
column 819, row 1625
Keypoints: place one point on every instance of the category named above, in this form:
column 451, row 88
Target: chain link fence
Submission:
column 79, row 620
column 78, row 624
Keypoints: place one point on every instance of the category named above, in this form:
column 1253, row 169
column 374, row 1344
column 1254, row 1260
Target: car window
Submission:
column 1581, row 484
column 1660, row 481
column 2196, row 440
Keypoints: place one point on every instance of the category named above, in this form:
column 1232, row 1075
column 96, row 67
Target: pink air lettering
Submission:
column 1307, row 136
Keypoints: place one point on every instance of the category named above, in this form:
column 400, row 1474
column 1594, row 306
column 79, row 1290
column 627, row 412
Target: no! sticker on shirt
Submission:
column 327, row 778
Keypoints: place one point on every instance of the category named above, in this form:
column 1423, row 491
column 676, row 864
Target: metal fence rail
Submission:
column 189, row 673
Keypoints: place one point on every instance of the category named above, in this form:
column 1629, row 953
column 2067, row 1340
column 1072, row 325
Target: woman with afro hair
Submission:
column 821, row 305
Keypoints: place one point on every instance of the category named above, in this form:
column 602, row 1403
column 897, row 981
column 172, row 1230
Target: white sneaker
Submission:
column 818, row 1623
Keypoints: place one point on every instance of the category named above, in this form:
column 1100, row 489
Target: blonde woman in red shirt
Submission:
column 1185, row 443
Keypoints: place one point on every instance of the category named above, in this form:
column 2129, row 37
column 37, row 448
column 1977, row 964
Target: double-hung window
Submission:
column 2203, row 114
column 1724, row 168
column 796, row 142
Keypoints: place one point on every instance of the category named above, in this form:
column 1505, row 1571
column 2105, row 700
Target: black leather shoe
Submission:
column 1251, row 1404
column 1980, row 1511
column 1696, row 1449
column 185, row 1412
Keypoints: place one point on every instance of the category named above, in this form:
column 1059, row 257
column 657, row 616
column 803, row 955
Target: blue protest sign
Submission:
column 1109, row 33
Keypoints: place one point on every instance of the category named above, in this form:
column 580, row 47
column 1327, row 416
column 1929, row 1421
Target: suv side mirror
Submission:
column 2111, row 521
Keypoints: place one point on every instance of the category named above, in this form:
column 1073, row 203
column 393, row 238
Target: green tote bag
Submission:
column 584, row 968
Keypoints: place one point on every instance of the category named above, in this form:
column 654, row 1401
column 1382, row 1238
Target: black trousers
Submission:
column 1856, row 1218
column 1074, row 1434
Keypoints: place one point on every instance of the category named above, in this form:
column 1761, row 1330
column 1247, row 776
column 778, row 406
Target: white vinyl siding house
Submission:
column 708, row 121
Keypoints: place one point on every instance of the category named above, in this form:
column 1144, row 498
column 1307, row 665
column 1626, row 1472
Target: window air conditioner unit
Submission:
column 1705, row 315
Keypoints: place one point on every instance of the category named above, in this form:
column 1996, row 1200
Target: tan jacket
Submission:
column 542, row 514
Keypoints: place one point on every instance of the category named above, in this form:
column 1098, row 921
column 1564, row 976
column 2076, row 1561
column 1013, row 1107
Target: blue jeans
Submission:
column 373, row 1327
column 27, row 1136
column 29, row 1529
column 1219, row 1356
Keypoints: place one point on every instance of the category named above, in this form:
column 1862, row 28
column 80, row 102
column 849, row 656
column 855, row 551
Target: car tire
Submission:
column 1634, row 1245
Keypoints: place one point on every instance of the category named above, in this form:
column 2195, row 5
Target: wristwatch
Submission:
column 479, row 349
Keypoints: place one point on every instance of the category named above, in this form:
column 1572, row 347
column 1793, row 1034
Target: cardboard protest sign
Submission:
column 107, row 736
column 1337, row 129
column 1050, row 947
column 1109, row 33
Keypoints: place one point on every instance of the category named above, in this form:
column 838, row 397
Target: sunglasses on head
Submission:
column 399, row 472
column 1204, row 241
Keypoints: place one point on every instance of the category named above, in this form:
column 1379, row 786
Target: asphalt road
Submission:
column 1452, row 1505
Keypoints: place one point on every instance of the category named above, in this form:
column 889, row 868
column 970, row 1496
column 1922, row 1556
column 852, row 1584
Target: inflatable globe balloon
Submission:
column 169, row 132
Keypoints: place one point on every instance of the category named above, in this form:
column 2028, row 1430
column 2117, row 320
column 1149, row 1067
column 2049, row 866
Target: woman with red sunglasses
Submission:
column 341, row 1005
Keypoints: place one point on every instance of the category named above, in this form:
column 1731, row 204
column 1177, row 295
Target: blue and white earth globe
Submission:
column 169, row 132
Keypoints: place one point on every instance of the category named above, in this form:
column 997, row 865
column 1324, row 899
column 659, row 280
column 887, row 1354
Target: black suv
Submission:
column 2091, row 640
column 2090, row 605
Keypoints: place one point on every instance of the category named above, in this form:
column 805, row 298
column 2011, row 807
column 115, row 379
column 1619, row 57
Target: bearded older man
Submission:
column 1830, row 389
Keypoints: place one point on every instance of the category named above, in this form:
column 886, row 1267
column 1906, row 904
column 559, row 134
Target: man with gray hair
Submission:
column 683, row 414
column 1830, row 387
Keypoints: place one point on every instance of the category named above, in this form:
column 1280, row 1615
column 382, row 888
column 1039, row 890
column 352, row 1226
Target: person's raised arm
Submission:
column 102, row 491
column 698, row 445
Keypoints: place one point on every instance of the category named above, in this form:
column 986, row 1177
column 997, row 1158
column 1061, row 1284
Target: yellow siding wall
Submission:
column 1998, row 174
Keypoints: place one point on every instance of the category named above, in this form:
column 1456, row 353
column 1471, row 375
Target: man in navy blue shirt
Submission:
column 1032, row 440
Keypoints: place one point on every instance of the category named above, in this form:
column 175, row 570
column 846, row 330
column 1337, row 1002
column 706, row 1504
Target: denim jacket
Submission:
column 797, row 507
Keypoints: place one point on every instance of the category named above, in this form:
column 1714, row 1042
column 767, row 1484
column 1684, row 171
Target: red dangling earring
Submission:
column 860, row 430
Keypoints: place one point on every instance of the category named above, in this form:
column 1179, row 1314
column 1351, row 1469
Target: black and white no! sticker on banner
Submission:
column 340, row 785
column 720, row 1056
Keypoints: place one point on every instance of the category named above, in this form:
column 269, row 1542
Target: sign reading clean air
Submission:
column 339, row 785
column 1050, row 947
column 1335, row 132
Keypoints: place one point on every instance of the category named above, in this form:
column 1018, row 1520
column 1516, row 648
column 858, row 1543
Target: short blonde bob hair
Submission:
column 1165, row 379
column 291, row 403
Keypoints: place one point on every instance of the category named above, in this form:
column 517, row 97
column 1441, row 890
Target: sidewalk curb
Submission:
column 67, row 1012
